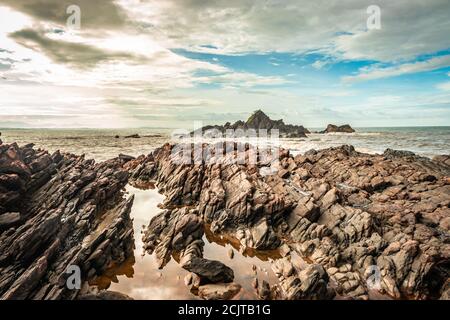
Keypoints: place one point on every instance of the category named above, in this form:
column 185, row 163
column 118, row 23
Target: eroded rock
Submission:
column 219, row 291
column 58, row 211
column 346, row 212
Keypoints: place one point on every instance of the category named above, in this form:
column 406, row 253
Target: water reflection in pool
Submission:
column 140, row 277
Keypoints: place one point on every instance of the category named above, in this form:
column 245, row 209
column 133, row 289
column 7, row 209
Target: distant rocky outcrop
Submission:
column 331, row 128
column 259, row 120
column 134, row 136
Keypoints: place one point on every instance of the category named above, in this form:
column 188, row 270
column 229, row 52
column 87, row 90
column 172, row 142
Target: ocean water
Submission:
column 103, row 144
column 98, row 144
column 140, row 277
column 424, row 141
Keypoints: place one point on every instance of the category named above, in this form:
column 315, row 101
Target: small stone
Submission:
column 230, row 253
column 220, row 291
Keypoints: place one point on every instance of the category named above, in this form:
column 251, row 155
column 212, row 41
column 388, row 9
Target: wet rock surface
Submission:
column 359, row 223
column 257, row 121
column 57, row 211
column 362, row 222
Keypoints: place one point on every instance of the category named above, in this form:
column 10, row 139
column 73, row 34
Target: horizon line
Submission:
column 125, row 128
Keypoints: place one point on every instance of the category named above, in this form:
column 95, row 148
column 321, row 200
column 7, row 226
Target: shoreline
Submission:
column 103, row 145
column 330, row 218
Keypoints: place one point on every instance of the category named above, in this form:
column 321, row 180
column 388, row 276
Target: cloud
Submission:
column 319, row 64
column 371, row 73
column 76, row 54
column 408, row 29
column 123, row 62
column 336, row 28
column 94, row 14
column 445, row 85
column 241, row 79
column 124, row 59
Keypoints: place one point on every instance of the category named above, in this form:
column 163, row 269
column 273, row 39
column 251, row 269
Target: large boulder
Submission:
column 331, row 128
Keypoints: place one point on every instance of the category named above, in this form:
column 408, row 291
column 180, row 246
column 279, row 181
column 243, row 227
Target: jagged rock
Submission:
column 390, row 153
column 230, row 253
column 257, row 121
column 346, row 212
column 179, row 230
column 61, row 210
column 209, row 271
column 309, row 283
column 219, row 291
column 333, row 128
column 442, row 159
column 104, row 295
column 352, row 214
column 125, row 157
column 263, row 290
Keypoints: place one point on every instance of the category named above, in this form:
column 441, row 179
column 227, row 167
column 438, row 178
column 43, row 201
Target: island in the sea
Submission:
column 260, row 121
column 332, row 128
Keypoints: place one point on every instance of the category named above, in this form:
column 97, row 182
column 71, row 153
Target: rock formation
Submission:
column 331, row 128
column 58, row 212
column 134, row 136
column 257, row 121
column 363, row 222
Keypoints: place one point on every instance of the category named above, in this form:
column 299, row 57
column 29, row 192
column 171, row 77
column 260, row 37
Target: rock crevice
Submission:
column 357, row 216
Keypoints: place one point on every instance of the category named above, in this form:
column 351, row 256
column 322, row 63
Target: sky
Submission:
column 177, row 63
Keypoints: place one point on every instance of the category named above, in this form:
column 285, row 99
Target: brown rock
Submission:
column 219, row 291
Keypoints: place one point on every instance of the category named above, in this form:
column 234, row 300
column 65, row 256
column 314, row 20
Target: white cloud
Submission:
column 319, row 64
column 408, row 28
column 339, row 93
column 371, row 73
column 445, row 85
column 145, row 84
column 241, row 79
column 34, row 84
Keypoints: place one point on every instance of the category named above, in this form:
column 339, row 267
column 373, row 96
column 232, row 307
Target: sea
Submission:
column 103, row 144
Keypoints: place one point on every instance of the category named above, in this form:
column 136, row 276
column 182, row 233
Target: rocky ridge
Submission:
column 331, row 128
column 363, row 222
column 59, row 211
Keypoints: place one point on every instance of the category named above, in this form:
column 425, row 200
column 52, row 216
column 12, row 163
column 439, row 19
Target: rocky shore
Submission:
column 363, row 223
column 57, row 211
